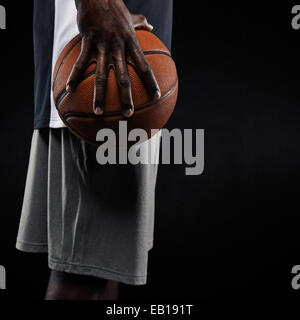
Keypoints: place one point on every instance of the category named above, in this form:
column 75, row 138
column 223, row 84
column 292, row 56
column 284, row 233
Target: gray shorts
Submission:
column 91, row 219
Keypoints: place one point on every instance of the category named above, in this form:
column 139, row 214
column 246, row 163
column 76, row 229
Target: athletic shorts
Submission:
column 91, row 219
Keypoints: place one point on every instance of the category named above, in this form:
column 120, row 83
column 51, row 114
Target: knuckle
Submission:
column 124, row 81
column 145, row 69
column 140, row 17
column 117, row 43
column 78, row 66
column 100, row 80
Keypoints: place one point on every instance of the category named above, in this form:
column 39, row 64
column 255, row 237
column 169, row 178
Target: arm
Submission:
column 108, row 33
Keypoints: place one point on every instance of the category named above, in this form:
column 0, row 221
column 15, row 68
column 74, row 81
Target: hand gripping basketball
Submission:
column 108, row 36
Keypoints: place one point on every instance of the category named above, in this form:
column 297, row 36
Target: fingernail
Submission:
column 127, row 110
column 68, row 88
column 98, row 110
column 157, row 95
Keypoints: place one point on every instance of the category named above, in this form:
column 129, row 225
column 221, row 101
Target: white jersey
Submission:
column 65, row 29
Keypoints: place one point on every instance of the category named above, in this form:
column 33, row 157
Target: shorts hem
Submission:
column 43, row 247
column 31, row 246
column 96, row 271
column 80, row 269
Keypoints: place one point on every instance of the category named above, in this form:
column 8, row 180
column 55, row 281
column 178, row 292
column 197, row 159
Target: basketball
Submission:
column 76, row 108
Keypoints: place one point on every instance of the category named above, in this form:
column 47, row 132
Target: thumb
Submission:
column 140, row 22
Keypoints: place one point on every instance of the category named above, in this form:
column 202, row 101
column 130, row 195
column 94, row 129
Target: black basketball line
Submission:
column 116, row 114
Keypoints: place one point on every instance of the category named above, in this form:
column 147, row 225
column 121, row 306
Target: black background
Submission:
column 232, row 232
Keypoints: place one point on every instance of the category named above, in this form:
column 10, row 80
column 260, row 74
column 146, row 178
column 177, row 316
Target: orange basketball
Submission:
column 76, row 108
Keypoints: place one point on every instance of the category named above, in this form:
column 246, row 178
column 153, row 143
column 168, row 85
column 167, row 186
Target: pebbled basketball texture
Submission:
column 76, row 109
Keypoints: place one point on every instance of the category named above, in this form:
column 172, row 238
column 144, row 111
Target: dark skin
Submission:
column 108, row 36
column 66, row 286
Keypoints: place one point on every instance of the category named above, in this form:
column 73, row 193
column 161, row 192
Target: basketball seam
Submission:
column 106, row 115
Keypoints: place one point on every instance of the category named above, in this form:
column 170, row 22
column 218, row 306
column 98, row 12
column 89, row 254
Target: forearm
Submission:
column 89, row 3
